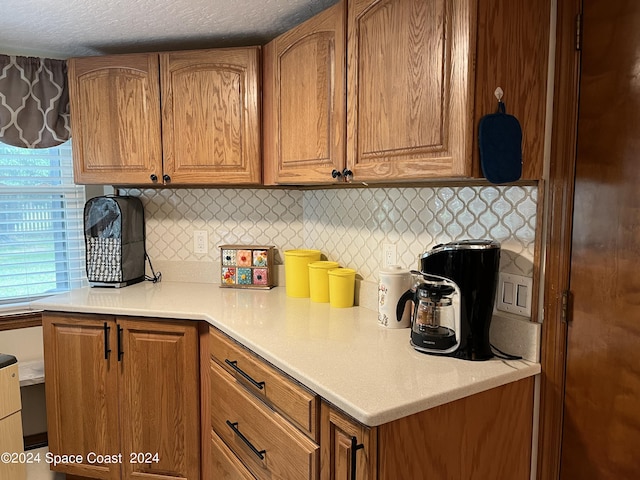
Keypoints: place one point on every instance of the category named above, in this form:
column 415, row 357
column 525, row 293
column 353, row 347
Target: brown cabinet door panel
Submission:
column 115, row 114
column 410, row 77
column 211, row 116
column 81, row 391
column 601, row 420
column 159, row 406
column 305, row 104
column 346, row 447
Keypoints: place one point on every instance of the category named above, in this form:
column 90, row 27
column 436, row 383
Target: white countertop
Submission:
column 370, row 372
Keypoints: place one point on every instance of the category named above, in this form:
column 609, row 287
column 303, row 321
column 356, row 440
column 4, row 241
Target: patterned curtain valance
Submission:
column 34, row 102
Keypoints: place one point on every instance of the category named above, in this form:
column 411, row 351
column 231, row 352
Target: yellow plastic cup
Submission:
column 341, row 287
column 319, row 280
column 296, row 271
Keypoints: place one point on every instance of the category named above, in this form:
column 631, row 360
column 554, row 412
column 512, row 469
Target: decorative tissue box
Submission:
column 247, row 266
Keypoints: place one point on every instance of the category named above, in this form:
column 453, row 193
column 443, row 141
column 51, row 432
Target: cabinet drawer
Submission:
column 224, row 464
column 283, row 393
column 263, row 440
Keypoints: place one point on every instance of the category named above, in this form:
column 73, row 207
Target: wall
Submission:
column 348, row 225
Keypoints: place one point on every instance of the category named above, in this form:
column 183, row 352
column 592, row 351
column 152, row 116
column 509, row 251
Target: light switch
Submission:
column 507, row 293
column 514, row 294
column 522, row 296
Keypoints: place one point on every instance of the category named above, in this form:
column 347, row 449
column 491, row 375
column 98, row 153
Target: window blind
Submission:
column 41, row 224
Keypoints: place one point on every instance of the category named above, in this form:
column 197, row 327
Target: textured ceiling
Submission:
column 67, row 28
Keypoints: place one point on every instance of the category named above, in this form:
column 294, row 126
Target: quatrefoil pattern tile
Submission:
column 347, row 225
column 229, row 216
column 351, row 225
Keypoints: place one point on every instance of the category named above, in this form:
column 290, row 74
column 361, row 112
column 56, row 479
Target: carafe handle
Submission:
column 406, row 296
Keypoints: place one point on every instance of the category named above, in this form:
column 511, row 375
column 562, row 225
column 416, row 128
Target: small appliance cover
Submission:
column 114, row 240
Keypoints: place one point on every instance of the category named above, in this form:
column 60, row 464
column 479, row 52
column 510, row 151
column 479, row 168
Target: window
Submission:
column 41, row 226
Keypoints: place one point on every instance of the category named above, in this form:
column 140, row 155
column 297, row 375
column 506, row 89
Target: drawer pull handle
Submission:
column 355, row 446
column 234, row 364
column 259, row 453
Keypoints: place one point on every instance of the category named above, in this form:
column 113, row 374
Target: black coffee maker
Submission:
column 460, row 278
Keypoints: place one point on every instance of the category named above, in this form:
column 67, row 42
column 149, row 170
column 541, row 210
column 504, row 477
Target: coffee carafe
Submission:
column 435, row 324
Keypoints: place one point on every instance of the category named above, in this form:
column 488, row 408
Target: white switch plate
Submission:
column 200, row 241
column 514, row 294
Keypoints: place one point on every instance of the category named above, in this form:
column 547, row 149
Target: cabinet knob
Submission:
column 335, row 173
column 166, row 178
column 347, row 173
column 153, row 177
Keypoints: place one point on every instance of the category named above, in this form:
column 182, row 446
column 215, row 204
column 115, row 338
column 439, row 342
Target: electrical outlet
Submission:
column 200, row 241
column 514, row 294
column 389, row 255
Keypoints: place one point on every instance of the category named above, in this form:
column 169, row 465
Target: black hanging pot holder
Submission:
column 500, row 142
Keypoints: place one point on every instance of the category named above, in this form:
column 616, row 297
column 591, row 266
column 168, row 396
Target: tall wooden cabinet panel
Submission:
column 115, row 115
column 211, row 115
column 159, row 391
column 410, row 77
column 513, row 53
column 119, row 386
column 82, row 391
column 304, row 101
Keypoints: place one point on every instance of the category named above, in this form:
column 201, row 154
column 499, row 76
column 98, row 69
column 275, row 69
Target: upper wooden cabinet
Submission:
column 304, row 101
column 115, row 118
column 513, row 53
column 420, row 74
column 409, row 103
column 410, row 77
column 210, row 117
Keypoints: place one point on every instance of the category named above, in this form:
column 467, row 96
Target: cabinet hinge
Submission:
column 564, row 307
column 579, row 32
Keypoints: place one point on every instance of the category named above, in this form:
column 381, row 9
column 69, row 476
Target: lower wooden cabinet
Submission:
column 124, row 402
column 264, row 424
column 480, row 437
column 256, row 430
column 348, row 448
column 122, row 396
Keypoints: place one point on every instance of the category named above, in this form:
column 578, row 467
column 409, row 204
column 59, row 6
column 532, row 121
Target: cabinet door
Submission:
column 304, row 101
column 513, row 53
column 115, row 119
column 160, row 404
column 348, row 449
column 410, row 77
column 82, row 391
column 211, row 116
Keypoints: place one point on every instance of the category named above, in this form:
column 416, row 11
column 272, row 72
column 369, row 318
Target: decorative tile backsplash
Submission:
column 348, row 225
column 353, row 224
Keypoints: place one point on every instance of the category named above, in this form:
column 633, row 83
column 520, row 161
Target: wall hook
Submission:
column 499, row 93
